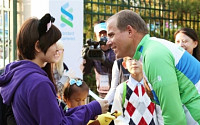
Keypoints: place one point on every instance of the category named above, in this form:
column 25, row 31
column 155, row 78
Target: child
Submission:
column 75, row 92
column 132, row 100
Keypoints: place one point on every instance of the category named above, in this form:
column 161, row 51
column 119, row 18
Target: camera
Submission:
column 94, row 51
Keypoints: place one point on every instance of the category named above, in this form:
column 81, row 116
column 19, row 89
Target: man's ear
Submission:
column 130, row 30
column 37, row 46
column 124, row 65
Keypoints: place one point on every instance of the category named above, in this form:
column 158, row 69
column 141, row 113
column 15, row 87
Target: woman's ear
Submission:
column 124, row 64
column 37, row 46
column 195, row 43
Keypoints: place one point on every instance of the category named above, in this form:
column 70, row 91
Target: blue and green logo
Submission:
column 66, row 16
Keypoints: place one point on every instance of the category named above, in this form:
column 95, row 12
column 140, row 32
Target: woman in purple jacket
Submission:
column 30, row 89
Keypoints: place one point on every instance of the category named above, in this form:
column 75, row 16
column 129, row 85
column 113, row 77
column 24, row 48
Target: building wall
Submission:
column 23, row 12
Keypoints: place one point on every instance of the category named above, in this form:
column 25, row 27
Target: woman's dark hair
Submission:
column 29, row 35
column 70, row 89
column 49, row 70
column 193, row 35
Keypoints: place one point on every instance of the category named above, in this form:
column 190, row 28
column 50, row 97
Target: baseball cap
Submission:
column 99, row 27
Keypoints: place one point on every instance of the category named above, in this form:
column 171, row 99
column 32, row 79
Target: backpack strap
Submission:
column 119, row 63
column 124, row 93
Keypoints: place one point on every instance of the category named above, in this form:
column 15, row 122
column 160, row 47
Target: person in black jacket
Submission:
column 102, row 66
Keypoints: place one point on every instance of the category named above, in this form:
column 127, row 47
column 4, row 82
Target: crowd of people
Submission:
column 28, row 84
column 148, row 80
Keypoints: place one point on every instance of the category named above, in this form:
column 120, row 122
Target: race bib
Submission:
column 104, row 82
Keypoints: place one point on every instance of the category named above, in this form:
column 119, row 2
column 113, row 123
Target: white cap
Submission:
column 100, row 27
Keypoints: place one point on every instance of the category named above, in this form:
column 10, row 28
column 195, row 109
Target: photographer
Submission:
column 103, row 64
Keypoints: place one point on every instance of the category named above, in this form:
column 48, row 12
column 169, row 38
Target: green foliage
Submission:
column 186, row 6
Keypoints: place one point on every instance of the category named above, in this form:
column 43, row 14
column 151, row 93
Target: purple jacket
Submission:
column 33, row 97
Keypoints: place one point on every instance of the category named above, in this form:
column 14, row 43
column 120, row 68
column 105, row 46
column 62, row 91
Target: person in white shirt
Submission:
column 119, row 75
column 132, row 100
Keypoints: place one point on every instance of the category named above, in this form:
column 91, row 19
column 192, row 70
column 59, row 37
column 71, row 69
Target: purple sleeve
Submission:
column 82, row 114
column 43, row 104
column 45, row 110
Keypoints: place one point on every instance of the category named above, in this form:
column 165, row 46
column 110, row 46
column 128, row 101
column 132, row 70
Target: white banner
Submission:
column 68, row 16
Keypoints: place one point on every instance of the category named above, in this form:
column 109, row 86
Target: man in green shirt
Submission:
column 172, row 73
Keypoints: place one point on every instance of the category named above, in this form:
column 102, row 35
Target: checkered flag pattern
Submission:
column 138, row 106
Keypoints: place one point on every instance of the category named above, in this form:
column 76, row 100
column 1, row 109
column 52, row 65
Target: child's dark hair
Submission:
column 69, row 89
